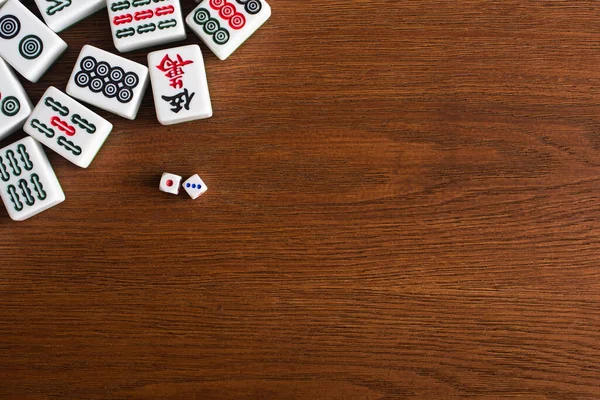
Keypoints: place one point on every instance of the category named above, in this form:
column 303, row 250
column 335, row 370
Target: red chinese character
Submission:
column 173, row 69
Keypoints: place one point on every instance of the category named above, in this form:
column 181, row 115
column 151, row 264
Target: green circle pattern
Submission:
column 221, row 36
column 211, row 26
column 10, row 106
column 30, row 47
column 201, row 16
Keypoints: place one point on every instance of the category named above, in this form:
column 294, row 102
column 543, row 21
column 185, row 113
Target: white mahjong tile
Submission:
column 137, row 24
column 224, row 25
column 67, row 127
column 108, row 81
column 26, row 43
column 179, row 85
column 28, row 184
column 61, row 14
column 15, row 105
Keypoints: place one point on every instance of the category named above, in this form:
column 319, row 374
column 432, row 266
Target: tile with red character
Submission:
column 179, row 85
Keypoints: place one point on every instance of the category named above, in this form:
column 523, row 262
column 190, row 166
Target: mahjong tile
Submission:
column 179, row 85
column 26, row 43
column 137, row 24
column 61, row 14
column 28, row 184
column 108, row 81
column 224, row 25
column 15, row 106
column 67, row 127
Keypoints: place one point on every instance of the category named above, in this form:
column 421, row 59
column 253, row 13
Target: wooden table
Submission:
column 403, row 204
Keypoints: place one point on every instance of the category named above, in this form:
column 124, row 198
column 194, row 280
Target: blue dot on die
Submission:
column 187, row 185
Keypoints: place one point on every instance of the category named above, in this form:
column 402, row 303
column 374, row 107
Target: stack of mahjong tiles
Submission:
column 28, row 184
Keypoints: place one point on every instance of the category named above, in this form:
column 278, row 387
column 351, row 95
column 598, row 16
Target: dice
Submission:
column 26, row 43
column 224, row 25
column 15, row 106
column 194, row 186
column 170, row 183
column 137, row 24
column 67, row 127
column 179, row 85
column 28, row 184
column 108, row 81
column 61, row 14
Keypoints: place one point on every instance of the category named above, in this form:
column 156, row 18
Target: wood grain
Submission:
column 403, row 204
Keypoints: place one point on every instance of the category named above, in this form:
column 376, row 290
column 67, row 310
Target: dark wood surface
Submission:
column 403, row 204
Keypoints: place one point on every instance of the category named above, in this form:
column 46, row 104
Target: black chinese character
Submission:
column 180, row 100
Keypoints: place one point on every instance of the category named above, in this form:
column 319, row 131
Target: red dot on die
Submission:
column 169, row 183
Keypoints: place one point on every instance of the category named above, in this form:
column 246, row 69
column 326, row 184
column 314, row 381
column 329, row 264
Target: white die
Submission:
column 26, row 43
column 224, row 25
column 61, row 14
column 28, row 184
column 170, row 183
column 179, row 85
column 194, row 186
column 67, row 127
column 108, row 81
column 15, row 105
column 136, row 24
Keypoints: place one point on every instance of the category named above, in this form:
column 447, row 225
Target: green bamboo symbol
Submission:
column 121, row 33
column 168, row 23
column 58, row 5
column 3, row 172
column 69, row 145
column 26, row 192
column 56, row 106
column 25, row 157
column 37, row 185
column 83, row 123
column 14, row 197
column 12, row 161
column 120, row 5
column 138, row 3
column 145, row 28
column 43, row 128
